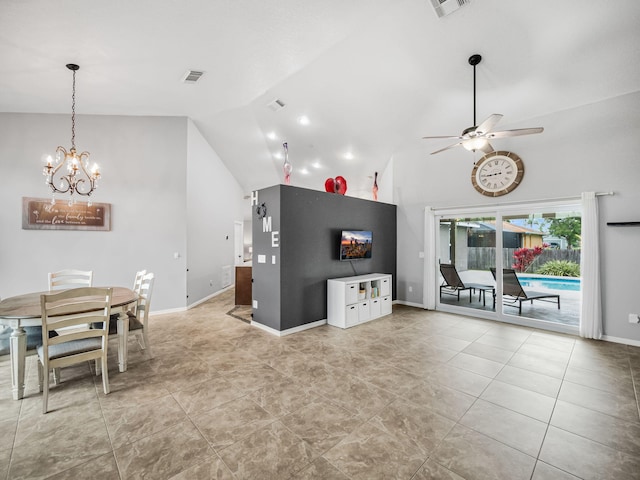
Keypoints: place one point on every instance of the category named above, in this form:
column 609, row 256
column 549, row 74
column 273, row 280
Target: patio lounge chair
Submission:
column 453, row 284
column 512, row 288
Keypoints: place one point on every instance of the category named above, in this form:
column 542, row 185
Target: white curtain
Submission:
column 429, row 291
column 591, row 306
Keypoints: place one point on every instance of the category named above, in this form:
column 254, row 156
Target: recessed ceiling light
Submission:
column 303, row 120
column 278, row 155
column 349, row 156
column 316, row 165
column 304, row 171
column 271, row 135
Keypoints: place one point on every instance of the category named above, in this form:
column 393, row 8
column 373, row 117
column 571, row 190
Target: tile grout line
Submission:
column 555, row 402
column 113, row 450
column 636, row 387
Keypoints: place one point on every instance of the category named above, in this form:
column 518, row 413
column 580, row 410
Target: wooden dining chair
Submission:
column 137, row 283
column 138, row 317
column 70, row 279
column 65, row 279
column 73, row 308
column 139, row 321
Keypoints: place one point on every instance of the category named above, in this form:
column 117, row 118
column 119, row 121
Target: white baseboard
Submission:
column 625, row 341
column 208, row 297
column 169, row 310
column 289, row 331
column 408, row 304
column 189, row 307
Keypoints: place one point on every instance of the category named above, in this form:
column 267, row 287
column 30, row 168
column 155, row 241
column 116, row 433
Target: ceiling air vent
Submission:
column 445, row 7
column 192, row 76
column 275, row 104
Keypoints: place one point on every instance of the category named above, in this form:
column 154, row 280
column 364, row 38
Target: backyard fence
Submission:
column 483, row 258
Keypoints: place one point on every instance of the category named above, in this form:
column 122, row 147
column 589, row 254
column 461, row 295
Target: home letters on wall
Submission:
column 266, row 220
column 41, row 214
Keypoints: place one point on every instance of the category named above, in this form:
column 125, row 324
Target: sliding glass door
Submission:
column 519, row 264
column 541, row 266
column 466, row 254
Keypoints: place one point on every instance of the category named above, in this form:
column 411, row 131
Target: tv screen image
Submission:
column 356, row 244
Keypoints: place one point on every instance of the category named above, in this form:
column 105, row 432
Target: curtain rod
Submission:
column 521, row 202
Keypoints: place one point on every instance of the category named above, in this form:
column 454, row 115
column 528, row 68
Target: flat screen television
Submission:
column 355, row 244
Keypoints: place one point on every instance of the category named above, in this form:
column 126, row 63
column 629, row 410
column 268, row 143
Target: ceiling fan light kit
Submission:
column 475, row 143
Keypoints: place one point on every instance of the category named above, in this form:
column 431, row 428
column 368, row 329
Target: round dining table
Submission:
column 25, row 311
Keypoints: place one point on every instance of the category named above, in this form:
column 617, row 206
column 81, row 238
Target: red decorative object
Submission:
column 330, row 185
column 336, row 185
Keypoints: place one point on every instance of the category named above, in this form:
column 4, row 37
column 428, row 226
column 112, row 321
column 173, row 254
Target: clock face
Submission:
column 497, row 173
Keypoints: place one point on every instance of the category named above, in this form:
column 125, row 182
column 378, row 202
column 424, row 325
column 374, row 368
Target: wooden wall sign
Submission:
column 39, row 214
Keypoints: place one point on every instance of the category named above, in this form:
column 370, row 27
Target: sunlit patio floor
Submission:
column 568, row 314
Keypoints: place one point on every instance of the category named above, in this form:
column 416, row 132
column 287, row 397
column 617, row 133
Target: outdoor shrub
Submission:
column 524, row 257
column 560, row 268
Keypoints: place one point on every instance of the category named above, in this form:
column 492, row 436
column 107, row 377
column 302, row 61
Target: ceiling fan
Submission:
column 477, row 137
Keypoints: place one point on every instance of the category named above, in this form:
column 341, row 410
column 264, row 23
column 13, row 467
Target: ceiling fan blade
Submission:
column 443, row 136
column 447, row 148
column 515, row 133
column 488, row 124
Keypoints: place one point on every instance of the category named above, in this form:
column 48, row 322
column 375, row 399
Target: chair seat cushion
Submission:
column 34, row 338
column 72, row 348
column 134, row 323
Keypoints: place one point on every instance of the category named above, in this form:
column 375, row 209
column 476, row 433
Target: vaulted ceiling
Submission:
column 371, row 76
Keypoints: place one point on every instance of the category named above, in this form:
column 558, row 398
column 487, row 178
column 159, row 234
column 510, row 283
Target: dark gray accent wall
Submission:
column 310, row 223
column 266, row 276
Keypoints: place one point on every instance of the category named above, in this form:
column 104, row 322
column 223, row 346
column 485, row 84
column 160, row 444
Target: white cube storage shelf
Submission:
column 355, row 300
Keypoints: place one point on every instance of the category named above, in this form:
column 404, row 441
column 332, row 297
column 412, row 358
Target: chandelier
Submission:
column 78, row 178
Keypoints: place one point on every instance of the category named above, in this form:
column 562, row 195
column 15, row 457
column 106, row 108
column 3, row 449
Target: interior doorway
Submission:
column 238, row 242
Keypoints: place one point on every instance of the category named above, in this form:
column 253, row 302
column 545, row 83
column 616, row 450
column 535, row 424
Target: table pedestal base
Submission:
column 18, row 350
column 123, row 338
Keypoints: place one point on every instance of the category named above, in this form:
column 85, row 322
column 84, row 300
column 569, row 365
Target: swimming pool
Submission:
column 554, row 283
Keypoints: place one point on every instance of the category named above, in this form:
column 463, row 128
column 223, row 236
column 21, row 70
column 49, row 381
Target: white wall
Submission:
column 591, row 148
column 385, row 183
column 142, row 161
column 214, row 202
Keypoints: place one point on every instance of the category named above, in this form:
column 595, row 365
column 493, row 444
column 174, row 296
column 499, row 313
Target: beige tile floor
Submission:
column 415, row 395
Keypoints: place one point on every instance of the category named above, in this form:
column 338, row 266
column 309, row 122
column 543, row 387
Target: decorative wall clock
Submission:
column 497, row 173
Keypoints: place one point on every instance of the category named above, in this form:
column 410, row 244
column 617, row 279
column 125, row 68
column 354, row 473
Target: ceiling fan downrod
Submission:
column 474, row 60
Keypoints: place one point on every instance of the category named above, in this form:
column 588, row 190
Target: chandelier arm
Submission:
column 81, row 157
column 78, row 182
column 82, row 181
column 61, row 190
column 53, row 171
column 90, row 178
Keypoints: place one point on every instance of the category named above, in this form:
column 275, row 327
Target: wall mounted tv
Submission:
column 355, row 244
